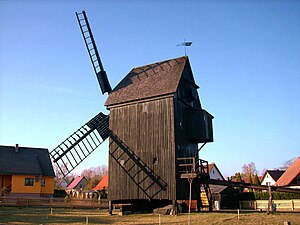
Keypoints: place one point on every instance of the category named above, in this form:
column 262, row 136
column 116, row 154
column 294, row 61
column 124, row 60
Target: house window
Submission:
column 29, row 181
column 43, row 182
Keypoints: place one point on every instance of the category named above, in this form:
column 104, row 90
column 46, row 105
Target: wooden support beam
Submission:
column 251, row 186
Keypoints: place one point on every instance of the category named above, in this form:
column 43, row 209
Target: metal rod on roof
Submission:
column 185, row 44
column 184, row 47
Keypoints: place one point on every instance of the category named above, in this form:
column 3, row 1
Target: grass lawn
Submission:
column 14, row 215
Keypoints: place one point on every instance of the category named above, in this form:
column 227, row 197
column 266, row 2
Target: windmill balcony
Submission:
column 191, row 167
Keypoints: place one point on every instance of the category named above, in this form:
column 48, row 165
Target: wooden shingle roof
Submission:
column 153, row 80
column 24, row 160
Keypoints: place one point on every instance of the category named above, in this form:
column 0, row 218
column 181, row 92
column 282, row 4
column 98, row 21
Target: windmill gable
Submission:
column 150, row 81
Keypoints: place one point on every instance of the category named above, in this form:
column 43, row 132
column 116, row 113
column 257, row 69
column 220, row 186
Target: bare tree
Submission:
column 59, row 175
column 287, row 164
column 249, row 172
column 94, row 175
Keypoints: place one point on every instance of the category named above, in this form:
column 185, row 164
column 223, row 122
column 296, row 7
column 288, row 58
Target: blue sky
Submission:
column 245, row 57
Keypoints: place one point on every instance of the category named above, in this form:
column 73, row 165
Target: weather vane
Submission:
column 185, row 44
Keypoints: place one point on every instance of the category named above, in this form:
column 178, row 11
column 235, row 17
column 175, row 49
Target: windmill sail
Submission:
column 93, row 52
column 71, row 152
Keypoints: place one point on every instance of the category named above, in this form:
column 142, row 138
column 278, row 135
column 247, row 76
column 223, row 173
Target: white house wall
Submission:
column 268, row 180
column 214, row 174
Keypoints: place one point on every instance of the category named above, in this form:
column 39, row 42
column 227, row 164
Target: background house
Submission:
column 102, row 185
column 291, row 177
column 224, row 197
column 271, row 176
column 26, row 171
column 214, row 172
column 62, row 184
column 78, row 184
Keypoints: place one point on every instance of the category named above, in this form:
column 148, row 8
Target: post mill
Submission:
column 155, row 124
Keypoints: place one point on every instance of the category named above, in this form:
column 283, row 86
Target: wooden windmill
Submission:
column 155, row 125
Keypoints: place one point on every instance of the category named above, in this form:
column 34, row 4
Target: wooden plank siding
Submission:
column 155, row 112
column 183, row 100
column 147, row 128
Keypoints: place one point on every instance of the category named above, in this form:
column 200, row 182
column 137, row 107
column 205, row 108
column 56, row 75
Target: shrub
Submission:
column 59, row 193
column 265, row 196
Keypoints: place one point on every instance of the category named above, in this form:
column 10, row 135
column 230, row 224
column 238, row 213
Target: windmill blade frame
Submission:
column 78, row 146
column 93, row 52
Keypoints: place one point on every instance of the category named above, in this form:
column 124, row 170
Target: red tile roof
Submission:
column 103, row 184
column 290, row 174
column 75, row 182
column 148, row 81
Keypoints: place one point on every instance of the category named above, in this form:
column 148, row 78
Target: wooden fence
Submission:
column 289, row 205
column 54, row 202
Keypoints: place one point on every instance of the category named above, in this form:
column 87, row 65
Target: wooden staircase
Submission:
column 196, row 170
column 204, row 199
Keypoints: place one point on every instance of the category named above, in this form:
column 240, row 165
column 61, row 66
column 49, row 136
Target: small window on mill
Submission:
column 155, row 161
column 122, row 162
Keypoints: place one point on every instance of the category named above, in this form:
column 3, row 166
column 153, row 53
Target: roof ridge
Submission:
column 163, row 61
column 23, row 147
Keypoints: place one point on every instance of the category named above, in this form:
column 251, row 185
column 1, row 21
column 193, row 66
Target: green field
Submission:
column 14, row 215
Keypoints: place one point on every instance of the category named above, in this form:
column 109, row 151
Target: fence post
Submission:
column 110, row 209
column 270, row 201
